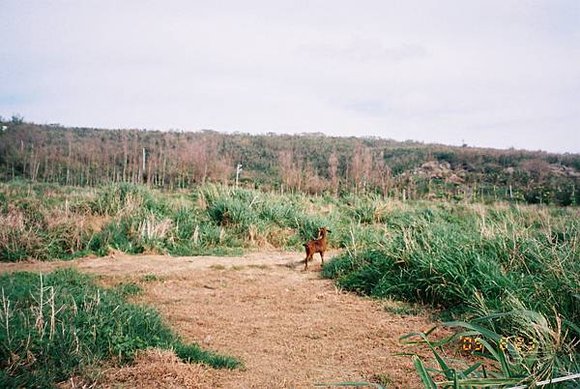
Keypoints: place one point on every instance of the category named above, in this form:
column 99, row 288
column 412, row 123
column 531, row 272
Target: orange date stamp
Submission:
column 510, row 343
column 470, row 344
column 518, row 343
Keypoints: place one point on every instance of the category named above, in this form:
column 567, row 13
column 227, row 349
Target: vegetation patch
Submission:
column 509, row 272
column 134, row 219
column 60, row 324
column 470, row 259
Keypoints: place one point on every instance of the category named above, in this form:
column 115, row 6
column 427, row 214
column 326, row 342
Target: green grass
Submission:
column 468, row 260
column 45, row 223
column 448, row 258
column 61, row 324
column 496, row 267
column 439, row 253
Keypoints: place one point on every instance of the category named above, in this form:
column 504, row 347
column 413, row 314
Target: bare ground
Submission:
column 290, row 328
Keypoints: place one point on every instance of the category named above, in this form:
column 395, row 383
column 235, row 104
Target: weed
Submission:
column 193, row 353
column 448, row 261
column 470, row 260
column 129, row 289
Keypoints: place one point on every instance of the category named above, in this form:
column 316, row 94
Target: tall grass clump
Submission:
column 139, row 220
column 61, row 324
column 125, row 198
column 35, row 223
column 476, row 262
column 446, row 257
column 262, row 218
column 44, row 223
column 366, row 209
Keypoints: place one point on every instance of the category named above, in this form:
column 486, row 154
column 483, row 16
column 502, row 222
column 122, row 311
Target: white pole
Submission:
column 238, row 171
column 143, row 172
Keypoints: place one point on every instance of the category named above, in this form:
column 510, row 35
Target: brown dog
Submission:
column 316, row 246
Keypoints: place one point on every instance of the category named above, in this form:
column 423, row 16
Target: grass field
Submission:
column 507, row 271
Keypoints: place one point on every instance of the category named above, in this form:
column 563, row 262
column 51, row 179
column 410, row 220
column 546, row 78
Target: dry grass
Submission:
column 158, row 368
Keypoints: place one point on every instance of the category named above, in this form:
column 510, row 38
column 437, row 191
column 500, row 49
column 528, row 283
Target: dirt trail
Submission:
column 291, row 328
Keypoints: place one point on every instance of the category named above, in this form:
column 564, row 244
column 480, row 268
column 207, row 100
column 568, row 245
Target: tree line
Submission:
column 311, row 163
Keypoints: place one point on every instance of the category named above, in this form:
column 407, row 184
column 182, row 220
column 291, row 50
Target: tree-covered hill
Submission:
column 312, row 163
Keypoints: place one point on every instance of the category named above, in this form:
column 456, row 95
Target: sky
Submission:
column 488, row 73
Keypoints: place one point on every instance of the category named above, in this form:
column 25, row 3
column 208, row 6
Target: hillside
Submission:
column 311, row 163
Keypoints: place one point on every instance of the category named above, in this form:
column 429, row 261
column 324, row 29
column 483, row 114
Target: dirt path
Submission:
column 291, row 328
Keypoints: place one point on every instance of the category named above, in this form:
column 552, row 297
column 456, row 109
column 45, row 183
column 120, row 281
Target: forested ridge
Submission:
column 311, row 163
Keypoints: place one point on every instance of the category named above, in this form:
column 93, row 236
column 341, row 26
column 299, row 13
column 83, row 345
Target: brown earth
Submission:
column 290, row 328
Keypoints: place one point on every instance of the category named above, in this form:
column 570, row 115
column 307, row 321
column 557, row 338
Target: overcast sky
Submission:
column 502, row 73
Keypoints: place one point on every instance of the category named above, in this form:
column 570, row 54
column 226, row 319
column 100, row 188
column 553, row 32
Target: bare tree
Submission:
column 333, row 172
column 360, row 167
